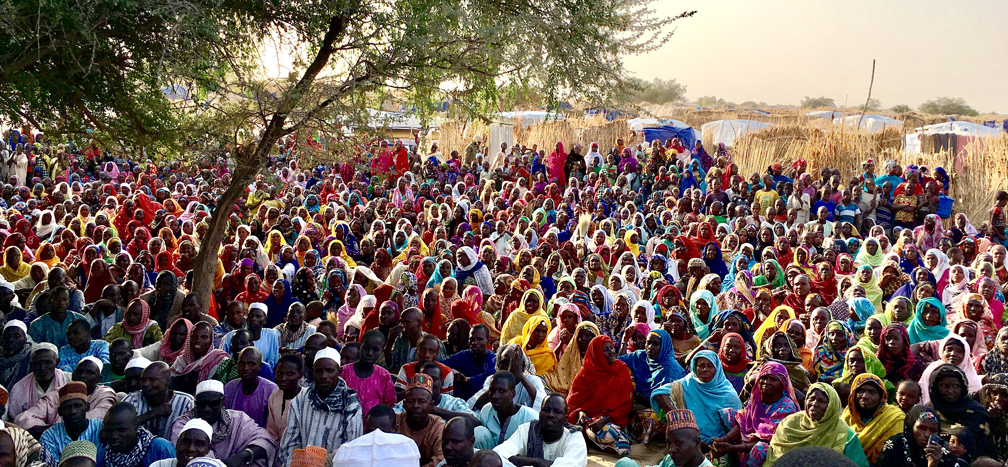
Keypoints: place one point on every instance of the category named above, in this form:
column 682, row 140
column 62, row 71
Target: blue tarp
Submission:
column 667, row 132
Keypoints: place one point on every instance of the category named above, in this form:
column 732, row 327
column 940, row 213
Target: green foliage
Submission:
column 70, row 66
column 948, row 106
column 817, row 102
column 659, row 91
column 901, row 109
column 707, row 101
column 873, row 105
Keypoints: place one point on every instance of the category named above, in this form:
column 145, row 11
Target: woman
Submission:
column 702, row 311
column 571, row 358
column 829, row 359
column 753, row 427
column 654, row 365
column 781, row 349
column 820, row 424
column 734, row 360
column 870, row 415
column 531, row 305
column 913, row 447
column 172, row 345
column 567, row 319
column 199, row 359
column 600, row 397
column 953, row 350
column 951, row 399
column 897, row 359
column 279, row 302
column 704, row 391
column 137, row 326
column 533, row 342
column 929, row 322
column 471, row 271
column 996, row 360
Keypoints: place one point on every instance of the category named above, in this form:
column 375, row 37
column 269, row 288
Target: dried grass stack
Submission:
column 457, row 134
column 572, row 131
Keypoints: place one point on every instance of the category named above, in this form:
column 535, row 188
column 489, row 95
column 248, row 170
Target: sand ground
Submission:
column 650, row 454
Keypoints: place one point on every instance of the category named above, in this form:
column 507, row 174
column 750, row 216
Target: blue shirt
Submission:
column 55, row 440
column 45, row 329
column 830, row 207
column 69, row 358
column 159, row 449
column 464, row 363
column 488, row 416
column 268, row 344
column 846, row 212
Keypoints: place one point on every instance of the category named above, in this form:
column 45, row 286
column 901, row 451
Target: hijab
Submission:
column 920, row 332
column 798, row 429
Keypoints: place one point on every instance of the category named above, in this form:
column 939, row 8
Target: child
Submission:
column 350, row 353
column 908, row 394
column 372, row 382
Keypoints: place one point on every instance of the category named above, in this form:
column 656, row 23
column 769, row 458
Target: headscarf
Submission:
column 743, row 363
column 899, row 365
column 665, row 368
column 769, row 325
column 864, row 258
column 799, row 429
column 138, row 332
column 972, row 380
column 830, row 361
column 996, row 361
column 706, row 399
column 885, row 422
column 872, row 291
column 601, row 387
column 920, row 332
column 165, row 351
column 702, row 328
column 542, row 357
column 778, row 281
column 515, row 324
column 755, row 420
column 864, row 309
column 277, row 307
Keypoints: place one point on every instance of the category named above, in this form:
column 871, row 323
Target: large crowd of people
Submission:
column 495, row 308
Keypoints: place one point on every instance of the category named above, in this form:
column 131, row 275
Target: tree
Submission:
column 901, row 109
column 948, row 106
column 707, row 101
column 660, row 91
column 817, row 102
column 873, row 105
column 101, row 65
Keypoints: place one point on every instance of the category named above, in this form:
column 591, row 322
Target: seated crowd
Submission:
column 509, row 309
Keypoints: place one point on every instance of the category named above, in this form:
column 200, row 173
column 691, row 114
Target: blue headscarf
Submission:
column 863, row 308
column 277, row 306
column 729, row 279
column 702, row 328
column 437, row 278
column 716, row 265
column 650, row 374
column 920, row 332
column 705, row 400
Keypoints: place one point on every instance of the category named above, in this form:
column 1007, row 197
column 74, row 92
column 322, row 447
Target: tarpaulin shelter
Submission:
column 725, row 131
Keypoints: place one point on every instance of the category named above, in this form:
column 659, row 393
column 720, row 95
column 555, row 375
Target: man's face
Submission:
column 190, row 445
column 209, row 406
column 73, row 411
column 249, row 364
column 87, row 372
column 500, row 395
column 326, row 375
column 154, row 382
column 417, row 404
column 120, row 432
column 553, row 414
column 43, row 365
column 456, row 446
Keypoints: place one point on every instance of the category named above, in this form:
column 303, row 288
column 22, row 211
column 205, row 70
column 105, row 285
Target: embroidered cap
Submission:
column 310, row 456
column 80, row 448
column 73, row 390
column 422, row 381
column 205, row 462
column 681, row 418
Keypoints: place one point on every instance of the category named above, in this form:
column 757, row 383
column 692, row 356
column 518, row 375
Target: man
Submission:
column 43, row 379
column 127, row 444
column 237, row 439
column 18, row 446
column 502, row 416
column 15, row 353
column 238, row 341
column 52, row 326
column 120, row 352
column 529, row 390
column 443, row 405
column 46, row 412
column 683, row 439
column 250, row 392
column 289, row 371
column 474, row 365
column 79, row 454
column 417, row 422
column 547, row 441
column 192, row 310
column 193, row 442
column 313, row 344
column 403, row 349
column 265, row 339
column 339, row 410
column 80, row 345
column 104, row 313
column 381, row 417
column 486, row 458
column 426, row 352
column 457, row 441
column 234, row 319
column 132, row 375
column 157, row 405
column 57, row 278
column 75, row 426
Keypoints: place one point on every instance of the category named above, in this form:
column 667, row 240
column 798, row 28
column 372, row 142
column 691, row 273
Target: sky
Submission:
column 779, row 51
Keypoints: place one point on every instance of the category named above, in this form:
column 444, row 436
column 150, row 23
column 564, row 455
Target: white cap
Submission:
column 92, row 359
column 44, row 346
column 138, row 362
column 259, row 306
column 198, row 424
column 329, row 353
column 210, row 385
column 16, row 324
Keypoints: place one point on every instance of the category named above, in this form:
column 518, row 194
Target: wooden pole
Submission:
column 870, row 85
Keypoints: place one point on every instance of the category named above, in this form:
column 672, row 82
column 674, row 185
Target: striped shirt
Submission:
column 69, row 358
column 180, row 404
column 310, row 426
column 56, row 439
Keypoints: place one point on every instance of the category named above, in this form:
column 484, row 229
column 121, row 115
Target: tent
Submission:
column 828, row 115
column 531, row 117
column 725, row 131
column 949, row 135
column 673, row 129
column 868, row 122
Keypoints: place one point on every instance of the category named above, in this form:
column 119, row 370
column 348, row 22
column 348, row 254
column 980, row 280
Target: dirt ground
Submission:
column 645, row 455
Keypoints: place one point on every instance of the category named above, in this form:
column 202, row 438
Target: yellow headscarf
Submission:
column 886, row 422
column 562, row 376
column 15, row 273
column 48, row 262
column 769, row 325
column 516, row 321
column 542, row 357
column 634, row 247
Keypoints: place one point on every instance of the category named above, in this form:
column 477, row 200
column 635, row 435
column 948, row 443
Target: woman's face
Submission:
column 705, row 370
column 732, row 351
column 923, row 430
column 838, row 339
column 856, row 361
column 954, row 352
column 967, row 331
column 796, row 332
column 931, row 315
column 873, row 329
column 702, row 308
column 531, row 302
column 864, row 274
column 894, row 342
column 448, row 289
column 974, row 309
column 1002, row 341
column 956, row 275
column 781, row 348
column 816, row 404
column 949, row 389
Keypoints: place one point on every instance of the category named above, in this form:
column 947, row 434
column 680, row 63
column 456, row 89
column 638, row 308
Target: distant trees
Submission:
column 817, row 102
column 707, row 101
column 659, row 91
column 873, row 104
column 948, row 106
column 900, row 109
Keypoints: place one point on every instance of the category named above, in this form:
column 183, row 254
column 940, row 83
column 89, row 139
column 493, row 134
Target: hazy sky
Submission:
column 780, row 51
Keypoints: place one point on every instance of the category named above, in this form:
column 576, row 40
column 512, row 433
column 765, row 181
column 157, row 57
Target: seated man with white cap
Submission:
column 193, row 442
column 157, row 405
column 75, row 425
column 237, row 438
column 328, row 402
column 131, row 382
column 43, row 379
column 15, row 349
column 99, row 398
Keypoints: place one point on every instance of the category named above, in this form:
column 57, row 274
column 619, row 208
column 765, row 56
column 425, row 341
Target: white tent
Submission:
column 958, row 128
column 725, row 131
column 829, row 115
column 531, row 117
column 868, row 122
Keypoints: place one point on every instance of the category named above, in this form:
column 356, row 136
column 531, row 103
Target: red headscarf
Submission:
column 739, row 366
column 139, row 331
column 826, row 288
column 600, row 387
column 98, row 277
column 166, row 352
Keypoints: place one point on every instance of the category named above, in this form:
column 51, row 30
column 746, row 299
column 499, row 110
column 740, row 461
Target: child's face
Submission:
column 907, row 396
column 387, row 316
column 349, row 355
